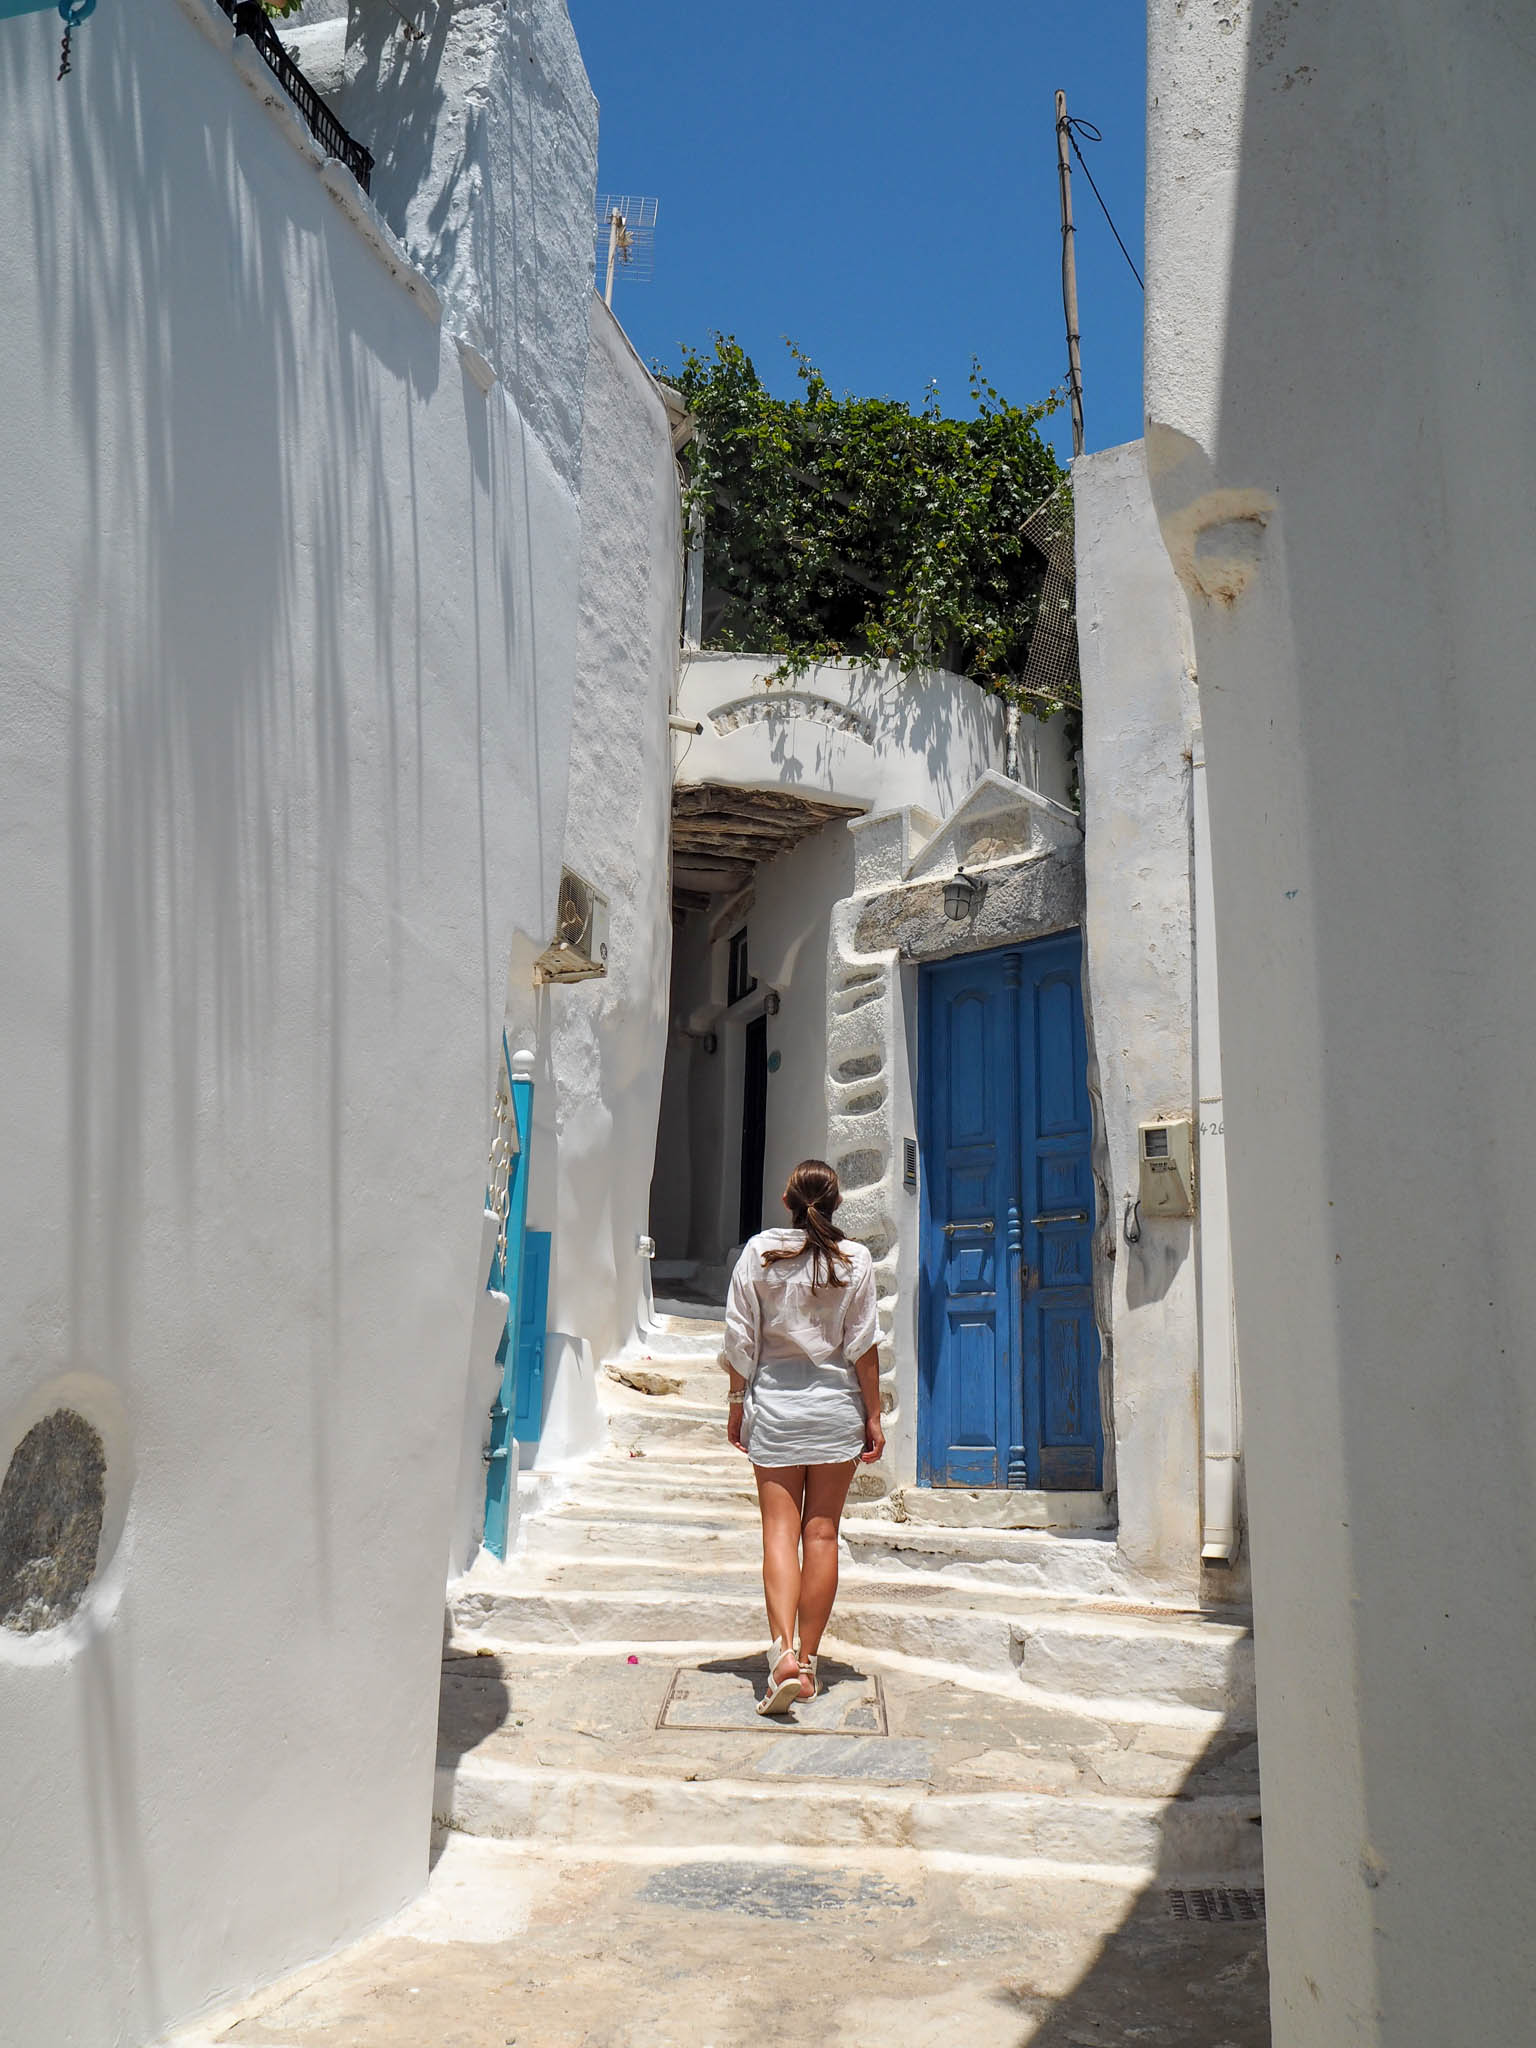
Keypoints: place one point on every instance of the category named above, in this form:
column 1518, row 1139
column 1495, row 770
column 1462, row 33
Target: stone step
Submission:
column 657, row 1375
column 683, row 1463
column 1184, row 1661
column 665, row 1458
column 1212, row 1836
column 641, row 1419
column 736, row 1568
column 684, row 1336
column 1021, row 1561
column 700, row 1401
column 636, row 1510
column 682, row 1460
column 1057, row 1561
column 1002, row 1507
column 631, row 1533
column 660, row 1496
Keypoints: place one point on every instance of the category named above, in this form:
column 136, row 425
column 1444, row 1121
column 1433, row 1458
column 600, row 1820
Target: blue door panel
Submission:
column 1009, row 1352
column 1062, row 1380
column 969, row 1121
column 1058, row 1073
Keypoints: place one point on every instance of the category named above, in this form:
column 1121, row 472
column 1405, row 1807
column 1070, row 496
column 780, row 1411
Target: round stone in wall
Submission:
column 51, row 1503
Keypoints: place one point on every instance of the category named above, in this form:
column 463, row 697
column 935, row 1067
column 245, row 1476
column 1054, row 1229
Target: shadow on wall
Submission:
column 198, row 348
column 1399, row 1704
column 1155, row 1261
column 942, row 724
column 940, row 717
column 238, row 560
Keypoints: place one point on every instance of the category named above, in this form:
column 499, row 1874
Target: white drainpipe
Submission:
column 1219, row 1420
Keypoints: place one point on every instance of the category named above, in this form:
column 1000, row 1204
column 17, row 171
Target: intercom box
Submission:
column 1166, row 1148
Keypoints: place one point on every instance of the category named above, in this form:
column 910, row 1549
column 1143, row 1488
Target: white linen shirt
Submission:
column 773, row 1314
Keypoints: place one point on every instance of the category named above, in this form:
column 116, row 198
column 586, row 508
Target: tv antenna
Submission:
column 626, row 233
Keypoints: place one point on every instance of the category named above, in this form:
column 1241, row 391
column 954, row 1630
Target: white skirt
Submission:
column 797, row 1413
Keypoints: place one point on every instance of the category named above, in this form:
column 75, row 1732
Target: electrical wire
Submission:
column 1074, row 127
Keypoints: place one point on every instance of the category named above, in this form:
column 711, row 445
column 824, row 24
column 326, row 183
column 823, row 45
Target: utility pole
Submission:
column 1069, row 271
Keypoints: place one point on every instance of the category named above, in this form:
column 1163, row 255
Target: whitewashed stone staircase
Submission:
column 1037, row 1713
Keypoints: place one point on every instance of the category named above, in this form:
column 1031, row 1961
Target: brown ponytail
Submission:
column 812, row 1195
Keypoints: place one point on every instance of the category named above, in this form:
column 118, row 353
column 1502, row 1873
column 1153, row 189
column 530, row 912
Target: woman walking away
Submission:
column 805, row 1407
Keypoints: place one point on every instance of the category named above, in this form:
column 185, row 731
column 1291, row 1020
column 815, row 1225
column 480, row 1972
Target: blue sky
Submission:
column 877, row 180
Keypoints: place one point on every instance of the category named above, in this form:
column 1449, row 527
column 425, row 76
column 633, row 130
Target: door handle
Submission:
column 1066, row 1216
column 951, row 1228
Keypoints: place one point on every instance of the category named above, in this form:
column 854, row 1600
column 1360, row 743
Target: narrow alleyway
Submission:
column 1001, row 1824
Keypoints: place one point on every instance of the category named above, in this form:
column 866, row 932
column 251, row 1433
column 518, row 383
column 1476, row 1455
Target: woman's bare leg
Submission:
column 780, row 1491
column 826, row 1488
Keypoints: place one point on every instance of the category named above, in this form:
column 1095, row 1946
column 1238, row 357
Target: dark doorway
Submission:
column 754, row 1126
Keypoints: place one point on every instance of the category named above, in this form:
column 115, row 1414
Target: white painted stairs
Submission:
column 1038, row 1714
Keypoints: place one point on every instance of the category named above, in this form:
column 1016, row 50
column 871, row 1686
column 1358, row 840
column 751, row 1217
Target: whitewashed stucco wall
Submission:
column 485, row 131
column 1139, row 715
column 607, row 1038
column 870, row 738
column 1341, row 295
column 790, row 923
column 867, row 738
column 291, row 630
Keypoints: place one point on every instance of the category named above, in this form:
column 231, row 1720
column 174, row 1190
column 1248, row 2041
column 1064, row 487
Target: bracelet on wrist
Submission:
column 735, row 1400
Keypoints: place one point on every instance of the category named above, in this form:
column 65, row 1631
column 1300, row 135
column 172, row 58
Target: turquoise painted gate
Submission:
column 520, row 1270
column 1009, row 1352
column 533, row 1313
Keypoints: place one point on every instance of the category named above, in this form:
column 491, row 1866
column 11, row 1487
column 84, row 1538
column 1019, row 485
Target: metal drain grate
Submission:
column 1219, row 1903
column 722, row 1696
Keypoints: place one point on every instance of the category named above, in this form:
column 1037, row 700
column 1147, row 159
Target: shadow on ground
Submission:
column 688, row 1949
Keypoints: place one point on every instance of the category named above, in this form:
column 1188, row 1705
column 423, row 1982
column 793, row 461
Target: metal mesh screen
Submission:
column 1051, row 673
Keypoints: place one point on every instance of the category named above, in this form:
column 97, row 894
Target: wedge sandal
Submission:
column 782, row 1692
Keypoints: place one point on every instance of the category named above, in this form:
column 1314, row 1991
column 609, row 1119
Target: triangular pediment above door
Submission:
column 1000, row 820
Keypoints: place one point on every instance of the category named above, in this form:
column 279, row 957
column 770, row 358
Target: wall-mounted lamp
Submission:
column 771, row 1003
column 963, row 895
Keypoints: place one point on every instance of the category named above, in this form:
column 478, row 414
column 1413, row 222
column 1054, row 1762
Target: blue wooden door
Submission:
column 533, row 1313
column 1008, row 1351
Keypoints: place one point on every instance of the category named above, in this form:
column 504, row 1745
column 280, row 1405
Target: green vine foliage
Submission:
column 854, row 529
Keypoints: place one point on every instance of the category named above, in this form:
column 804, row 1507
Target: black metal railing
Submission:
column 252, row 19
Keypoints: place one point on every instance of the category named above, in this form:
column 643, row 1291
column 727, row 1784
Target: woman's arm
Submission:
column 743, row 1334
column 735, row 1399
column 868, row 1370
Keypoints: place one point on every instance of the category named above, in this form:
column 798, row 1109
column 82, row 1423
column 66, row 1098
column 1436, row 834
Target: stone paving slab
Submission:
column 536, row 1707
column 513, row 1949
column 891, row 1762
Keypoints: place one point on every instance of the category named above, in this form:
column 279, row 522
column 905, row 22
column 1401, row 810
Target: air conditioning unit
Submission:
column 579, row 949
